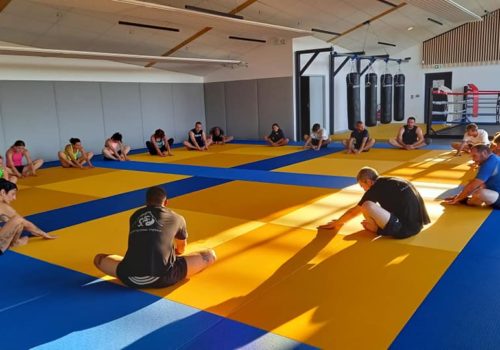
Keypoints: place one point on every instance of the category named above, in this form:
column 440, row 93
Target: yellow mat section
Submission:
column 35, row 200
column 55, row 174
column 265, row 150
column 105, row 185
column 250, row 200
column 221, row 159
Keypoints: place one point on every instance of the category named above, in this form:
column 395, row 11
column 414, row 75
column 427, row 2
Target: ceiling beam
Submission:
column 3, row 4
column 201, row 32
column 368, row 21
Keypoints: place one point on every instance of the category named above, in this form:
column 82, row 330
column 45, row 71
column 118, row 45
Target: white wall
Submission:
column 265, row 61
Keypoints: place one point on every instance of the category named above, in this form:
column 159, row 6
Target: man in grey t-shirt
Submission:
column 157, row 238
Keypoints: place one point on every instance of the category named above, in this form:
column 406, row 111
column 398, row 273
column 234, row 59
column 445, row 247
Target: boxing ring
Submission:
column 454, row 110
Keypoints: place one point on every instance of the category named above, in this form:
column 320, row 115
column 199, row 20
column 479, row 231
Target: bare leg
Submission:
column 10, row 233
column 419, row 144
column 209, row 142
column 65, row 163
column 396, row 143
column 189, row 146
column 228, row 139
column 369, row 144
column 345, row 143
column 107, row 263
column 281, row 142
column 483, row 195
column 125, row 151
column 268, row 140
column 108, row 154
column 199, row 261
column 374, row 212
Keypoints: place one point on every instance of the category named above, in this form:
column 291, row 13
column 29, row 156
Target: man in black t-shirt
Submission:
column 197, row 140
column 157, row 238
column 359, row 141
column 391, row 206
column 410, row 136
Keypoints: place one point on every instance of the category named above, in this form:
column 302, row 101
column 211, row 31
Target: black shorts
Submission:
column 395, row 228
column 20, row 168
column 315, row 142
column 173, row 275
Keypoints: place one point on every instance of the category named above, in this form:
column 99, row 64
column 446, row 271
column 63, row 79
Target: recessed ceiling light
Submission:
column 410, row 28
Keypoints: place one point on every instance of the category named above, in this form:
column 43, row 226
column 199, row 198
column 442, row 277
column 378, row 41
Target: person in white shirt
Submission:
column 473, row 136
column 318, row 138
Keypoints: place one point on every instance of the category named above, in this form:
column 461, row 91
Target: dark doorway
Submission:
column 434, row 81
column 305, row 105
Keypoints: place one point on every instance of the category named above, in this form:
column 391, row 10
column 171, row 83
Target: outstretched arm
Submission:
column 468, row 189
column 347, row 216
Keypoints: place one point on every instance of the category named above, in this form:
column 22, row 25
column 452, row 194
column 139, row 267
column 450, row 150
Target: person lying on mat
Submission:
column 319, row 138
column 276, row 137
column 74, row 156
column 391, row 206
column 197, row 140
column 156, row 242
column 473, row 136
column 114, row 149
column 410, row 136
column 14, row 224
column 158, row 144
column 6, row 173
column 359, row 141
column 217, row 136
column 15, row 155
column 485, row 188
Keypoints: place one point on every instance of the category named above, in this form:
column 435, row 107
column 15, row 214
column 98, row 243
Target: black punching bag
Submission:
column 353, row 100
column 371, row 99
column 385, row 98
column 399, row 97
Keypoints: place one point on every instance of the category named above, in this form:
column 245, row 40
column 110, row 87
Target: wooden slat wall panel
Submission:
column 471, row 43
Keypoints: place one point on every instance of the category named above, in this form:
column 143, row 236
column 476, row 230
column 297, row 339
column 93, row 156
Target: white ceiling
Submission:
column 92, row 25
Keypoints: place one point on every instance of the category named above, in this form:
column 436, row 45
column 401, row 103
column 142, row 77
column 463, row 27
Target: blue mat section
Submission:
column 50, row 307
column 78, row 213
column 463, row 309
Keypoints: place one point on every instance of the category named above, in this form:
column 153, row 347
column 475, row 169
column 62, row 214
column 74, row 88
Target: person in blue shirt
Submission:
column 485, row 187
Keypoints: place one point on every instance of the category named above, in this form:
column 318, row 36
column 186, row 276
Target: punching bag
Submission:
column 399, row 97
column 353, row 100
column 385, row 98
column 371, row 99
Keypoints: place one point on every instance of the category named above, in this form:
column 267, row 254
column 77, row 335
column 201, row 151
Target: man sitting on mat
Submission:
column 319, row 138
column 485, row 188
column 410, row 136
column 473, row 136
column 14, row 224
column 197, row 140
column 157, row 238
column 400, row 211
column 359, row 141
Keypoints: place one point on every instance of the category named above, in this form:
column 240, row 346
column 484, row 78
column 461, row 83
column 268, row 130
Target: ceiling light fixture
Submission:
column 212, row 12
column 386, row 44
column 388, row 3
column 247, row 39
column 463, row 9
column 32, row 51
column 149, row 26
column 410, row 28
column 324, row 31
column 434, row 21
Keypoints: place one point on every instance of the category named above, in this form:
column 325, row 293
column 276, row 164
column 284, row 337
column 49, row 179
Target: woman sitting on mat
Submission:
column 276, row 137
column 217, row 136
column 114, row 149
column 14, row 224
column 5, row 173
column 15, row 155
column 74, row 156
column 319, row 138
column 159, row 145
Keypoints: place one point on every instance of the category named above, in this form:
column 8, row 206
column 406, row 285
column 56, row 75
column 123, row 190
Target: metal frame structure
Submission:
column 332, row 72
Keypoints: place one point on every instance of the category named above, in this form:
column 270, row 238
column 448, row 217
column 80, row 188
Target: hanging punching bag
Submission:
column 353, row 100
column 371, row 99
column 399, row 97
column 385, row 98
